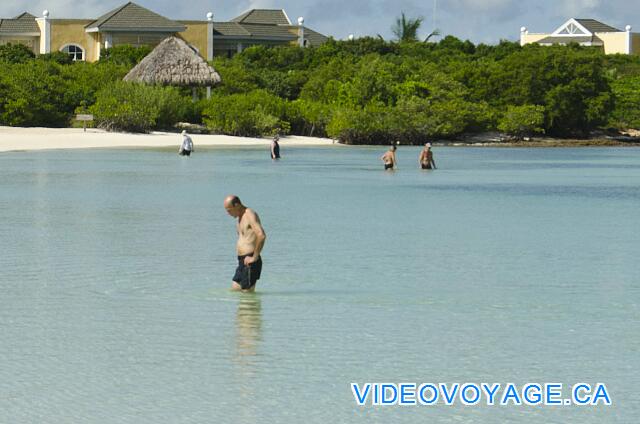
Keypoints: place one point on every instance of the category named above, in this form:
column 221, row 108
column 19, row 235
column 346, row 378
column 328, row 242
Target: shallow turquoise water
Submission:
column 505, row 265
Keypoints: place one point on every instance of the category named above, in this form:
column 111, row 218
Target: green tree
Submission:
column 60, row 58
column 452, row 43
column 36, row 95
column 86, row 79
column 523, row 120
column 434, row 33
column 15, row 53
column 326, row 81
column 125, row 54
column 373, row 81
column 406, row 29
column 252, row 114
column 308, row 117
column 626, row 113
column 125, row 106
column 236, row 76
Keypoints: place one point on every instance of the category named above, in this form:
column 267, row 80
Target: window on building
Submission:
column 76, row 52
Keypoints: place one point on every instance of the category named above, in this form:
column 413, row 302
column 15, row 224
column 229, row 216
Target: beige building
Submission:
column 86, row 39
column 587, row 32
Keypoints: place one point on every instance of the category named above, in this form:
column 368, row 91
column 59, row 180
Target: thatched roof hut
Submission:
column 173, row 62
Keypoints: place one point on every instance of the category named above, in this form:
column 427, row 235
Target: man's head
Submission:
column 427, row 145
column 233, row 205
column 276, row 137
column 184, row 132
column 393, row 148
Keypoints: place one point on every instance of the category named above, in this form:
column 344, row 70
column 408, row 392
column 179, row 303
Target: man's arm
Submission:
column 261, row 236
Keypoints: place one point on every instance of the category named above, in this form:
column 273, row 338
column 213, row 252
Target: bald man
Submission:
column 251, row 238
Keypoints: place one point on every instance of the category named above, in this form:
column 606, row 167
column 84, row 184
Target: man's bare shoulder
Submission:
column 252, row 215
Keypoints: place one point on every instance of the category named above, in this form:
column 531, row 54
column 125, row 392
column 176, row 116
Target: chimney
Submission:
column 300, row 31
column 523, row 34
column 210, row 36
column 45, row 32
column 209, row 44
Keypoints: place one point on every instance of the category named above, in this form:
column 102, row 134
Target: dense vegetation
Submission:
column 362, row 91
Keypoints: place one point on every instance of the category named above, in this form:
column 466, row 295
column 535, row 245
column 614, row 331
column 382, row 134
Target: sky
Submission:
column 481, row 21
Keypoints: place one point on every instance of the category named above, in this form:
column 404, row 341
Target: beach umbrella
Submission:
column 174, row 62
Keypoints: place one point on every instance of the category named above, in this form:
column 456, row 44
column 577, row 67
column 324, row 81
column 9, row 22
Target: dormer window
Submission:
column 571, row 29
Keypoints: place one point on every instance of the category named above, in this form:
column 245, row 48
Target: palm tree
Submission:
column 407, row 29
column 434, row 33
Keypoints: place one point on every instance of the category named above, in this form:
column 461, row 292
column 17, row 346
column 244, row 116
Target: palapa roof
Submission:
column 133, row 17
column 24, row 23
column 173, row 62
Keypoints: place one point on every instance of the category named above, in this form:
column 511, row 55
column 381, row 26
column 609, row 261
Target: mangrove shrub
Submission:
column 124, row 106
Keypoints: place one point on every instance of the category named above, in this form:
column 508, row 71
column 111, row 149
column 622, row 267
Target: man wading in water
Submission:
column 389, row 158
column 187, row 145
column 251, row 238
column 275, row 147
column 426, row 158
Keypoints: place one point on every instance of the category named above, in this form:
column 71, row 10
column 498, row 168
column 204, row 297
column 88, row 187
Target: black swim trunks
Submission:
column 185, row 153
column 275, row 154
column 247, row 276
column 426, row 166
column 388, row 166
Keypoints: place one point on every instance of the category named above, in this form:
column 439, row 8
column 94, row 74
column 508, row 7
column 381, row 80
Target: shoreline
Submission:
column 13, row 139
column 494, row 139
column 555, row 143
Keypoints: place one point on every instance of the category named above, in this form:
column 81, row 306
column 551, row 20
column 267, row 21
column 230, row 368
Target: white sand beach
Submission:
column 20, row 139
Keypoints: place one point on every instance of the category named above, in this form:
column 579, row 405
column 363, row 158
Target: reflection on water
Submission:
column 248, row 329
column 248, row 340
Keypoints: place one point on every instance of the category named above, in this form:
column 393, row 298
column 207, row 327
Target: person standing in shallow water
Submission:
column 187, row 145
column 251, row 239
column 275, row 147
column 425, row 160
column 389, row 158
